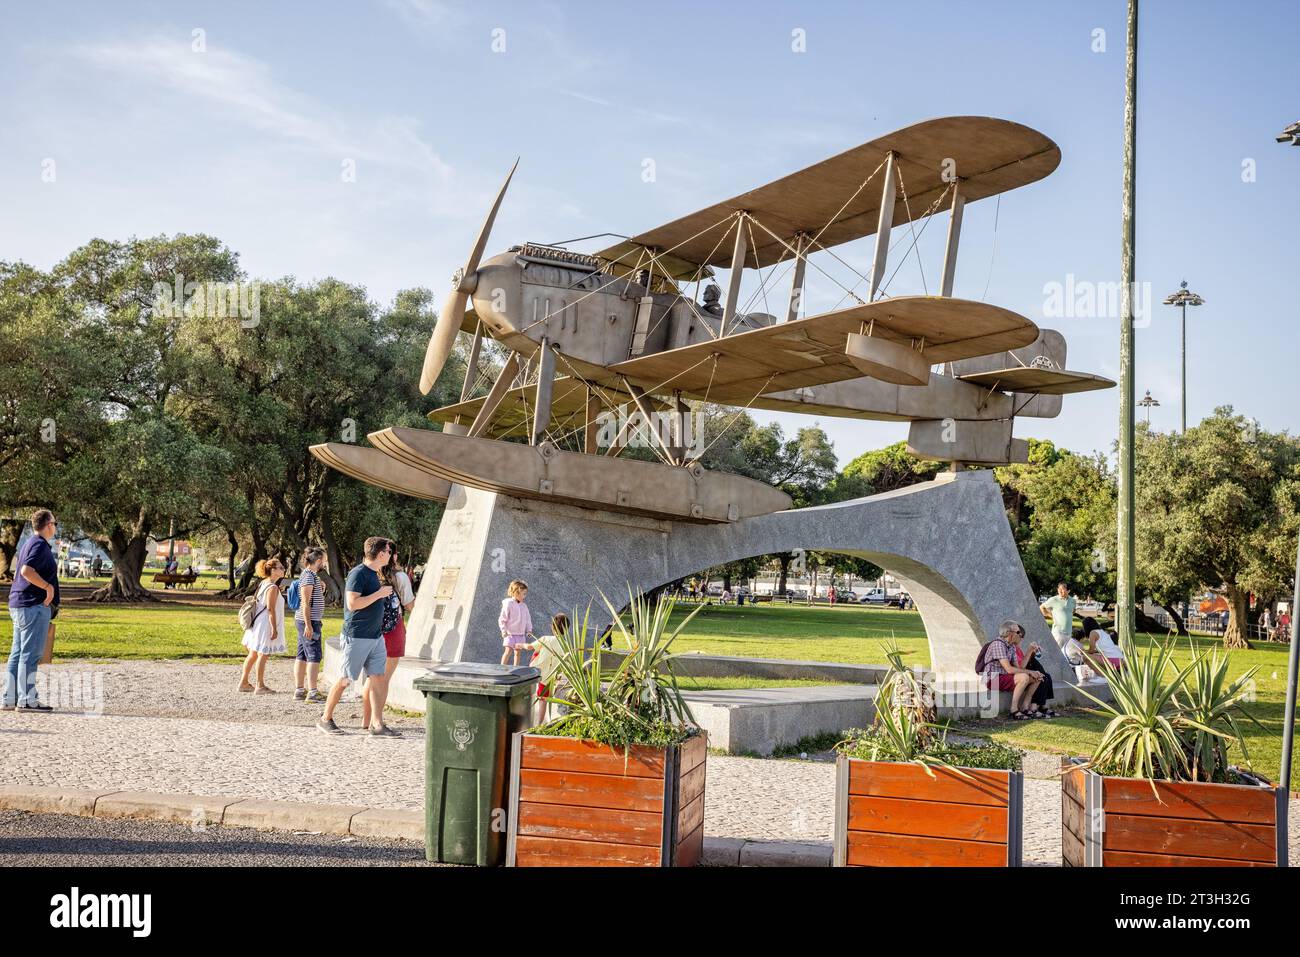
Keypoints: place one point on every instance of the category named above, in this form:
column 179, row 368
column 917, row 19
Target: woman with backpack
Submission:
column 307, row 600
column 262, row 616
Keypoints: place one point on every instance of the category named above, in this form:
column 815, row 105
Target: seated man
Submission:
column 999, row 664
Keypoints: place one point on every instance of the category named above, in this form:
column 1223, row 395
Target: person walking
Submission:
column 396, row 606
column 32, row 599
column 308, row 619
column 265, row 637
column 363, row 647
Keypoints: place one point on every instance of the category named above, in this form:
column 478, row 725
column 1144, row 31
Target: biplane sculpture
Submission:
column 623, row 335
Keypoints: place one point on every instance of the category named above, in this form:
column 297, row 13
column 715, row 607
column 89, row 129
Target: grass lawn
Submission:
column 168, row 629
column 1079, row 733
column 843, row 633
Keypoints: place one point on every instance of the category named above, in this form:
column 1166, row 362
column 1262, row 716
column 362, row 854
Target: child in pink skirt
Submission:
column 515, row 622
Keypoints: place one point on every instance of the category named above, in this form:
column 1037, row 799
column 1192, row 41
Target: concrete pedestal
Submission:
column 947, row 542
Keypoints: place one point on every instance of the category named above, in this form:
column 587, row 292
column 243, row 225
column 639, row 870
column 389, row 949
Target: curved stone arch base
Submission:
column 948, row 541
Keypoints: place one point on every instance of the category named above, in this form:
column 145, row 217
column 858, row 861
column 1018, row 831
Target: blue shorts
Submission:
column 308, row 646
column 368, row 655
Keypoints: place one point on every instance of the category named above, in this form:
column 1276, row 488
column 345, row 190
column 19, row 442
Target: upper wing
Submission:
column 988, row 156
column 806, row 352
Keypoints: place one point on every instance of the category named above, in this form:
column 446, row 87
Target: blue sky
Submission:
column 247, row 140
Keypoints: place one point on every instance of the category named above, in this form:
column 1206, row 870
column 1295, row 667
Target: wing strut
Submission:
column 545, row 387
column 498, row 391
column 737, row 268
column 954, row 234
column 801, row 244
column 882, row 230
column 471, row 364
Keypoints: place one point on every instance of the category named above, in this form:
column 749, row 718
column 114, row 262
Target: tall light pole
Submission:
column 1183, row 298
column 1291, row 135
column 1124, row 576
column 1147, row 401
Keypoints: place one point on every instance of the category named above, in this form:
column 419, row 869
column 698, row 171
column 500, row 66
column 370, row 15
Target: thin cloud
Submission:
column 629, row 110
column 244, row 89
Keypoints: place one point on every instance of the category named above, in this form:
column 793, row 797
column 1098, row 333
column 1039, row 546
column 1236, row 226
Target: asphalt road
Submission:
column 60, row 840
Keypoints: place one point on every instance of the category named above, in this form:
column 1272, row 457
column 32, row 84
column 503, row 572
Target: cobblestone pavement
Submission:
column 178, row 728
column 195, row 688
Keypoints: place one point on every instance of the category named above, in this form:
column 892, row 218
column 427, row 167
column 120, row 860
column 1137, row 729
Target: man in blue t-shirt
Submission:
column 34, row 593
column 364, row 652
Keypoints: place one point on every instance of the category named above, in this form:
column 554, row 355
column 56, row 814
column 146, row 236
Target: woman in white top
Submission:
column 1098, row 644
column 266, row 636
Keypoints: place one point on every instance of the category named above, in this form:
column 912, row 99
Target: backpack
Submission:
column 392, row 613
column 250, row 609
column 980, row 659
column 294, row 598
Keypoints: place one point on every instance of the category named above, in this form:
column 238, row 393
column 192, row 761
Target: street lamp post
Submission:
column 1291, row 135
column 1147, row 401
column 1183, row 298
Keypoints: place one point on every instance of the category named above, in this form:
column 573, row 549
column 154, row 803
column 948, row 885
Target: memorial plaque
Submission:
column 447, row 582
column 541, row 553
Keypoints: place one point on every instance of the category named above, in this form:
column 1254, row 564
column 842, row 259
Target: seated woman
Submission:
column 999, row 664
column 1097, row 644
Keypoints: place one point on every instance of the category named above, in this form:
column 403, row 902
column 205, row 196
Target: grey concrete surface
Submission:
column 947, row 541
column 757, row 721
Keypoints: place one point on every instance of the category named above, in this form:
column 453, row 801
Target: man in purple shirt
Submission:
column 35, row 590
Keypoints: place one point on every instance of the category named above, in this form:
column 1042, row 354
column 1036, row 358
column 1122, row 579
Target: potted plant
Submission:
column 618, row 778
column 1159, row 791
column 907, row 797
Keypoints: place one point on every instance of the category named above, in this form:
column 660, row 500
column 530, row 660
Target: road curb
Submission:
column 353, row 820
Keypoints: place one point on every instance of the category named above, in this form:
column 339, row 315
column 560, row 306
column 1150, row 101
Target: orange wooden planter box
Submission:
column 896, row 815
column 577, row 803
column 1119, row 822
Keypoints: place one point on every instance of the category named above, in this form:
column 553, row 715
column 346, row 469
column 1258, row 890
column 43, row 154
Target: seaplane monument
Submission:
column 537, row 485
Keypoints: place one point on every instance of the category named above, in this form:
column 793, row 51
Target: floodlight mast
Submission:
column 1184, row 298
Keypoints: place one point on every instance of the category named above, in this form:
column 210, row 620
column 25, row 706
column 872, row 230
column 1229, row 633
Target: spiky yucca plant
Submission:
column 903, row 692
column 637, row 702
column 1141, row 739
column 645, row 682
column 1208, row 705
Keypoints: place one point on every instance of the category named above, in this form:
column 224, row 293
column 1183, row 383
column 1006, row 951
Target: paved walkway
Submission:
column 266, row 748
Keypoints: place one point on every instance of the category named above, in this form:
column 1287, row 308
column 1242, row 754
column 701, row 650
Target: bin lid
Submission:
column 476, row 674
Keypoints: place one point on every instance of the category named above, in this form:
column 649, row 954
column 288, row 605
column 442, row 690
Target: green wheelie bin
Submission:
column 470, row 712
